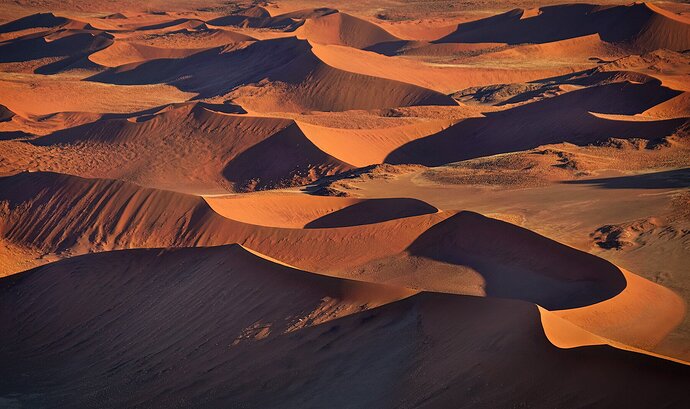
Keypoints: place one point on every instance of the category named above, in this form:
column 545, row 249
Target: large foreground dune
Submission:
column 300, row 204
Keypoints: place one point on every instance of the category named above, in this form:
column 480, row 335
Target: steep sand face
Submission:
column 121, row 53
column 206, row 326
column 444, row 78
column 364, row 147
column 30, row 94
column 464, row 254
column 290, row 210
column 299, row 210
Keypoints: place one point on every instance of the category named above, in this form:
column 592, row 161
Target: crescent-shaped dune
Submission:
column 483, row 256
column 344, row 29
column 364, row 147
column 120, row 53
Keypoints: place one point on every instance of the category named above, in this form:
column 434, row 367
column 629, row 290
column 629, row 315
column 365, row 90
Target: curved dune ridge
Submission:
column 441, row 78
column 344, row 29
column 120, row 53
column 279, row 314
column 364, row 147
column 66, row 44
column 299, row 210
column 278, row 205
column 291, row 77
column 463, row 253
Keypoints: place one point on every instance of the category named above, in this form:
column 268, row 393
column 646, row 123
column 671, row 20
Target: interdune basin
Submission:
column 375, row 204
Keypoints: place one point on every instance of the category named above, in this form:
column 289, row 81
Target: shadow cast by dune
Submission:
column 46, row 20
column 670, row 179
column 518, row 263
column 617, row 24
column 564, row 118
column 372, row 211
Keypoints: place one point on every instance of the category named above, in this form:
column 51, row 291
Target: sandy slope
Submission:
column 644, row 26
column 464, row 254
column 253, row 332
column 143, row 270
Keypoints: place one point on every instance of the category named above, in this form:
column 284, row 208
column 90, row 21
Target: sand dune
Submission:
column 298, row 210
column 71, row 45
column 284, row 74
column 42, row 21
column 120, row 53
column 57, row 213
column 169, row 149
column 565, row 118
column 27, row 96
column 259, row 17
column 641, row 25
column 289, row 210
column 344, row 29
column 453, row 254
column 6, row 114
column 364, row 147
column 188, row 39
column 239, row 320
column 298, row 204
column 443, row 78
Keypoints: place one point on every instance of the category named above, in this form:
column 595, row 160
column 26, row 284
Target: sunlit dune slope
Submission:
column 286, row 76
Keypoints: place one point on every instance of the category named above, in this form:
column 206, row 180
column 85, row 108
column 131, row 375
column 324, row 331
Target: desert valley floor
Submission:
column 375, row 204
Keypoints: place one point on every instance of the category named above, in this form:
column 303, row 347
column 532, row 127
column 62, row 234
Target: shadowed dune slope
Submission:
column 67, row 44
column 6, row 114
column 120, row 53
column 196, row 146
column 209, row 327
column 288, row 74
column 42, row 20
column 569, row 117
column 642, row 25
column 463, row 254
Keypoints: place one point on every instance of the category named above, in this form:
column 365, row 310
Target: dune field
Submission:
column 338, row 204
